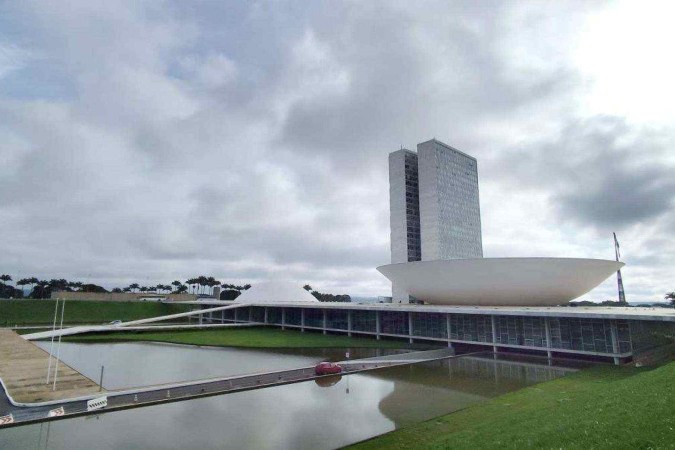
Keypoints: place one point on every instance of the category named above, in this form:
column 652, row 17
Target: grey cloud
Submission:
column 155, row 163
column 599, row 171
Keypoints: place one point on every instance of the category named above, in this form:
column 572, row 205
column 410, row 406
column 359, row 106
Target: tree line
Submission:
column 199, row 285
column 44, row 288
column 344, row 298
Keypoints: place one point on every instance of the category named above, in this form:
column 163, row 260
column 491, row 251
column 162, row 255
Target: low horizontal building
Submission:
column 122, row 296
column 615, row 333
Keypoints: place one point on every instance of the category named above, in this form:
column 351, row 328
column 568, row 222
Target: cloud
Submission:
column 149, row 141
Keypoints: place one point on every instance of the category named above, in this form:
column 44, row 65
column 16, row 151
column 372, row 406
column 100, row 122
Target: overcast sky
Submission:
column 152, row 141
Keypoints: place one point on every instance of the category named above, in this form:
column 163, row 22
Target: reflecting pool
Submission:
column 310, row 415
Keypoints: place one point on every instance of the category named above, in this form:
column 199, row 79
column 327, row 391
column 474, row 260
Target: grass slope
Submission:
column 601, row 407
column 242, row 337
column 41, row 312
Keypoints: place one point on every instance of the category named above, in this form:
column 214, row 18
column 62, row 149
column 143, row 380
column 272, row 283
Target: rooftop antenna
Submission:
column 619, row 280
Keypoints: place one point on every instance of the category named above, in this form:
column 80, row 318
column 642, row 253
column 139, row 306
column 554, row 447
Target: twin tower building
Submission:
column 434, row 206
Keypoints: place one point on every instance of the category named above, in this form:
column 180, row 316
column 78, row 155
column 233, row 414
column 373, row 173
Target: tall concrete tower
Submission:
column 434, row 206
column 449, row 204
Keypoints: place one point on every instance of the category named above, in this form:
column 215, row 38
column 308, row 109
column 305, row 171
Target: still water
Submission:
column 321, row 414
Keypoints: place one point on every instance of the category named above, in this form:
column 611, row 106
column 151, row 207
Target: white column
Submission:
column 265, row 319
column 548, row 338
column 324, row 321
column 447, row 326
column 615, row 341
column 410, row 328
column 377, row 324
column 283, row 318
column 494, row 333
column 349, row 323
column 302, row 320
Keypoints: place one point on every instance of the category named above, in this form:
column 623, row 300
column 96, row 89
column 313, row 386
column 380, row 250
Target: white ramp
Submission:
column 132, row 323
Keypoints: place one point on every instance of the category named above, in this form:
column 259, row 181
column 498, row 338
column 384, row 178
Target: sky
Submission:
column 148, row 141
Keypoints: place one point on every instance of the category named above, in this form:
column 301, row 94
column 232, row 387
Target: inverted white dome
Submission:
column 500, row 281
column 275, row 292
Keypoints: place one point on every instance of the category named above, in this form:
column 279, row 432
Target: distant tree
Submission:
column 671, row 296
column 143, row 289
column 93, row 288
column 331, row 298
column 180, row 289
column 247, row 287
column 307, row 287
column 7, row 291
column 192, row 282
column 229, row 294
column 5, row 278
column 176, row 285
column 134, row 287
column 117, row 290
column 126, row 289
column 23, row 282
column 33, row 281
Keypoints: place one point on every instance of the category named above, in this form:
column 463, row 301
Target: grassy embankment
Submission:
column 601, row 407
column 41, row 312
column 261, row 337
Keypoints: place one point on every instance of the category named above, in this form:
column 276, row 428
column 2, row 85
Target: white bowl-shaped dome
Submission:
column 500, row 281
column 275, row 292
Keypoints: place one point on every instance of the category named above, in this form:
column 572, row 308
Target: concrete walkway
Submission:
column 23, row 372
column 150, row 395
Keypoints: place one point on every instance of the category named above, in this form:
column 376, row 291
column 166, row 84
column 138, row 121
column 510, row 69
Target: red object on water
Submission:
column 327, row 368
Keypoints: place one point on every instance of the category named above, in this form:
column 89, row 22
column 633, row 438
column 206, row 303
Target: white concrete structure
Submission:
column 434, row 206
column 275, row 292
column 500, row 281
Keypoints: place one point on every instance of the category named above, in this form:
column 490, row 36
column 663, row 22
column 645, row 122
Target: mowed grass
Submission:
column 600, row 407
column 41, row 312
column 258, row 337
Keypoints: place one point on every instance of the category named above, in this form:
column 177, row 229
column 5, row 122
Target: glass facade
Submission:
column 514, row 330
column 588, row 335
column 393, row 322
column 257, row 314
column 274, row 315
column 314, row 318
column 595, row 336
column 337, row 319
column 364, row 321
column 469, row 327
column 242, row 313
column 649, row 335
column 431, row 325
column 449, row 203
column 293, row 316
column 412, row 208
column 406, row 244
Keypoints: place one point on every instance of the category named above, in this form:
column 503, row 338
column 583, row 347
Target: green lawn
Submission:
column 261, row 337
column 41, row 312
column 601, row 407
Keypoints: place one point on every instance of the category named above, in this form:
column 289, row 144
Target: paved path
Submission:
column 151, row 395
column 23, row 371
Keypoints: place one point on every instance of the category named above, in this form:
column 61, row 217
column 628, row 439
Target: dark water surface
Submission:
column 322, row 414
